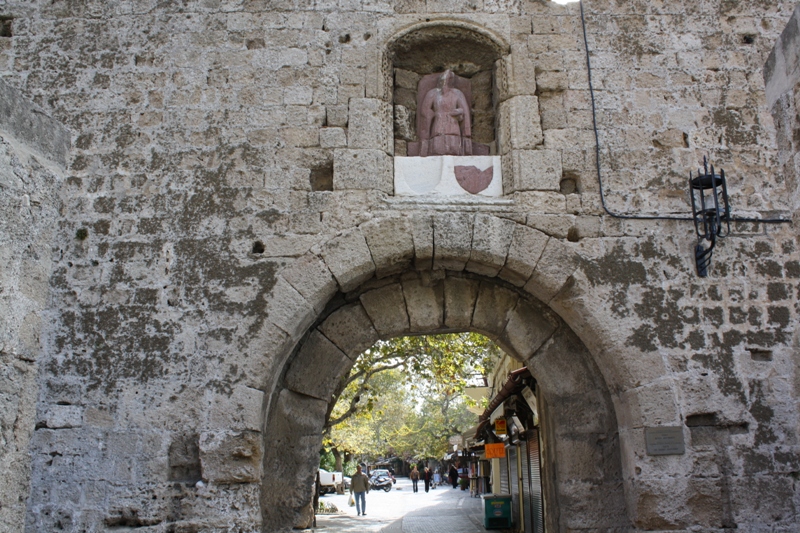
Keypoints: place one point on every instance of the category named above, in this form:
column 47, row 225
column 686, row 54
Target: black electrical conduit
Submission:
column 597, row 157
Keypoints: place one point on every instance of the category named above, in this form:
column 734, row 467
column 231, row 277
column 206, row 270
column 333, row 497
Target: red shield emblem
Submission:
column 472, row 179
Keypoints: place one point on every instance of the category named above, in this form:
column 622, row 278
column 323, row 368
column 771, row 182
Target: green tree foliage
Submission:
column 405, row 396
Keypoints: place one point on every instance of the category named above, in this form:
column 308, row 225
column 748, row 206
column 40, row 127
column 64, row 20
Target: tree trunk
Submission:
column 337, row 455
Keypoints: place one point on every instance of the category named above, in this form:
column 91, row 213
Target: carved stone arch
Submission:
column 438, row 261
column 582, row 454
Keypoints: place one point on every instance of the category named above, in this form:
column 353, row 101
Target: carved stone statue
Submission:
column 444, row 117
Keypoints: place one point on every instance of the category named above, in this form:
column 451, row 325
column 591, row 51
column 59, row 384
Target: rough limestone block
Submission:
column 593, row 502
column 520, row 124
column 422, row 233
column 240, row 411
column 527, row 330
column 527, row 245
column 64, row 416
column 557, row 263
column 370, row 125
column 386, row 308
column 425, row 303
column 781, row 68
column 332, row 138
column 391, row 244
column 378, row 64
column 336, row 115
column 533, row 170
column 349, row 259
column 452, row 237
column 491, row 308
column 552, row 81
column 293, row 452
column 491, row 237
column 650, row 405
column 584, row 454
column 287, row 309
column 231, row 457
column 561, row 362
column 310, row 276
column 271, row 339
column 362, row 169
column 299, row 415
column 32, row 126
column 317, row 368
column 659, row 501
column 459, row 302
column 514, row 74
column 350, row 328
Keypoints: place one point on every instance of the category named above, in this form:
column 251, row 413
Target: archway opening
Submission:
column 418, row 409
column 582, row 476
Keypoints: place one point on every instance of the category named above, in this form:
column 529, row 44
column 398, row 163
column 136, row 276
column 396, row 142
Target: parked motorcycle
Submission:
column 381, row 482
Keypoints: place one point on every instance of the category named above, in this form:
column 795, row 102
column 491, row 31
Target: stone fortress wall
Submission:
column 228, row 209
column 33, row 155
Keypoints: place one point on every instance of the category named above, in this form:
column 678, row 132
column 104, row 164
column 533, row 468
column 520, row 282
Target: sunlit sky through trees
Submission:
column 405, row 396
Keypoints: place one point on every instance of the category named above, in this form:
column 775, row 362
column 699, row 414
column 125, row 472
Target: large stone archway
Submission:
column 433, row 274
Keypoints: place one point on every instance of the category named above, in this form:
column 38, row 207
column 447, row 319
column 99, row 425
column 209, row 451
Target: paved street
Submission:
column 442, row 510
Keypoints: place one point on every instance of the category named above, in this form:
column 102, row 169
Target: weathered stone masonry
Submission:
column 224, row 241
column 33, row 153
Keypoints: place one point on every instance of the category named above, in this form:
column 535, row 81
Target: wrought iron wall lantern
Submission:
column 711, row 212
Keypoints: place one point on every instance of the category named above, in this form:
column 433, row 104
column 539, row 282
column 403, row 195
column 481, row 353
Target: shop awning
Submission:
column 514, row 383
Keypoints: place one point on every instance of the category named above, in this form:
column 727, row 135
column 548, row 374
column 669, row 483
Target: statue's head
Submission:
column 446, row 79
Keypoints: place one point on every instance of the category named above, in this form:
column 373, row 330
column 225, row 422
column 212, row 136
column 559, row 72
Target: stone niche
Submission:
column 418, row 57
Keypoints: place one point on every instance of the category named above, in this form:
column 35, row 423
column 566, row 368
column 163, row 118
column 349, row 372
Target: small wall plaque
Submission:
column 664, row 441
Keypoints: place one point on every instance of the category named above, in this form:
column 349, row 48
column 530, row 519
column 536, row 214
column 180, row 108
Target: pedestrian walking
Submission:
column 359, row 487
column 427, row 477
column 414, row 477
column 437, row 479
column 453, row 476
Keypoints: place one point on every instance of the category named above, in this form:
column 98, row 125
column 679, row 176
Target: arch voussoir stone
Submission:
column 316, row 369
column 424, row 304
column 553, row 269
column 491, row 298
column 527, row 329
column 391, row 244
column 460, row 295
column 491, row 238
column 350, row 328
column 311, row 277
column 422, row 235
column 527, row 245
column 386, row 308
column 349, row 259
column 289, row 310
column 452, row 240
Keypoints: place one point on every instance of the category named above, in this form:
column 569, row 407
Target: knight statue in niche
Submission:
column 444, row 117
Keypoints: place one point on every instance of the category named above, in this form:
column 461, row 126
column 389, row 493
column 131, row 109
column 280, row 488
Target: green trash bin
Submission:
column 496, row 511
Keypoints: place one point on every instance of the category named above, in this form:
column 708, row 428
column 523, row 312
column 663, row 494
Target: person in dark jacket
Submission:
column 414, row 478
column 453, row 476
column 426, row 476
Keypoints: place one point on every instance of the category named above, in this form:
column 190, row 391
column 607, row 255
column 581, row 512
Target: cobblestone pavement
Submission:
column 442, row 510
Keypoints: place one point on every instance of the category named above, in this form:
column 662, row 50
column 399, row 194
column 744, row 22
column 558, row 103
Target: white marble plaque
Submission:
column 448, row 175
